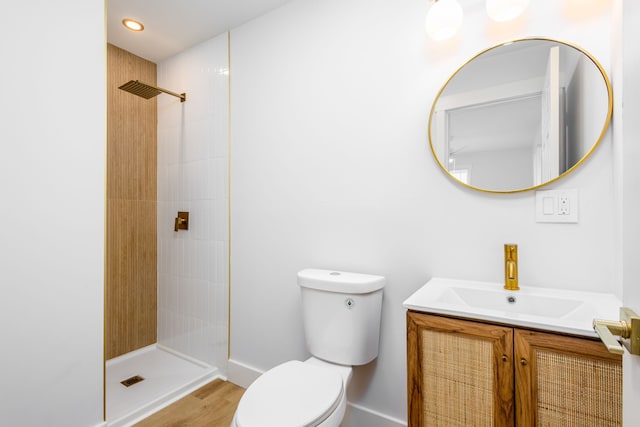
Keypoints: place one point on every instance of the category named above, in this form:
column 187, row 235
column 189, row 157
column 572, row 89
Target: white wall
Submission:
column 52, row 186
column 192, row 176
column 627, row 180
column 330, row 168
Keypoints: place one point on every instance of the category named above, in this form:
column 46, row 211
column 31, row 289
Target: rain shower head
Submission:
column 148, row 91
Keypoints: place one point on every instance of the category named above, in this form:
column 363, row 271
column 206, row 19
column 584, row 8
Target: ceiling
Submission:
column 171, row 26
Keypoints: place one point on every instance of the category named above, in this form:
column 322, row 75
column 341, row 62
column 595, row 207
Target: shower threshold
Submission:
column 168, row 376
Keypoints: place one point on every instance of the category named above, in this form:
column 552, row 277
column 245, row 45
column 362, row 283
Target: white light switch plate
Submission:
column 557, row 206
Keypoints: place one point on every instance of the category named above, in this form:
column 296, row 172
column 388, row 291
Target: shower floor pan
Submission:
column 168, row 376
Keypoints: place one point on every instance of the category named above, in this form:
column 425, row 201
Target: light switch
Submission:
column 547, row 205
column 557, row 206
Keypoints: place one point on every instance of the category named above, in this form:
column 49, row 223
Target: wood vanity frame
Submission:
column 515, row 365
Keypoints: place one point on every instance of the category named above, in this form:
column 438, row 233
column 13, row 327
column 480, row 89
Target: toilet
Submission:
column 341, row 316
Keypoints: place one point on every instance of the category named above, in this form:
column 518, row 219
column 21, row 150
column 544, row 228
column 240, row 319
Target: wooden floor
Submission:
column 211, row 406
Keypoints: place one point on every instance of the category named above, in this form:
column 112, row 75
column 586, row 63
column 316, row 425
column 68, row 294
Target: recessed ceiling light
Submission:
column 132, row 24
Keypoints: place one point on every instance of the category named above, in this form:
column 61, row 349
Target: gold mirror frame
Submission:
column 605, row 127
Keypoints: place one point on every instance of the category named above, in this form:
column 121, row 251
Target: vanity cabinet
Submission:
column 468, row 373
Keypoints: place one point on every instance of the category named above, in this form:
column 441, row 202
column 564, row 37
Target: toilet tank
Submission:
column 341, row 315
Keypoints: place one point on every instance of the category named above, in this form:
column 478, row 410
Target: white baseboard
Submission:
column 241, row 374
column 356, row 415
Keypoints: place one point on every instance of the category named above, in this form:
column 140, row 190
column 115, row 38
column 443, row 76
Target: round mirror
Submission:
column 520, row 115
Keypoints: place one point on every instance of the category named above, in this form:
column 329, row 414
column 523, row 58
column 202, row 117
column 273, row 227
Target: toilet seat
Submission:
column 293, row 394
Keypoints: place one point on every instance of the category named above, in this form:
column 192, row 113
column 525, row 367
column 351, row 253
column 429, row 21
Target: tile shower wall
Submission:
column 131, row 258
column 192, row 176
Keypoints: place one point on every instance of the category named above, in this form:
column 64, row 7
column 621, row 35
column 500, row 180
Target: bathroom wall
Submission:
column 330, row 168
column 131, row 258
column 52, row 183
column 627, row 182
column 192, row 176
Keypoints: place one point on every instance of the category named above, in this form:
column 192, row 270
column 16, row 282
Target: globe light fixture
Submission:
column 444, row 19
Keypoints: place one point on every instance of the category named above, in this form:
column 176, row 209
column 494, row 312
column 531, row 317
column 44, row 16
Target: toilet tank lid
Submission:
column 340, row 281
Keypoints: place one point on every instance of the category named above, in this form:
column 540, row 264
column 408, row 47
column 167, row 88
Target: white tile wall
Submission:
column 192, row 176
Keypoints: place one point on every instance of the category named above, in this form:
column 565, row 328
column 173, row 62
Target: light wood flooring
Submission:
column 210, row 406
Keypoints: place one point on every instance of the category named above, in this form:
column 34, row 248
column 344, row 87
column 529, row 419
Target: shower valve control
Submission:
column 181, row 222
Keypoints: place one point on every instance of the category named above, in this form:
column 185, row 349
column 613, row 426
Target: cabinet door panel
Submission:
column 564, row 380
column 460, row 372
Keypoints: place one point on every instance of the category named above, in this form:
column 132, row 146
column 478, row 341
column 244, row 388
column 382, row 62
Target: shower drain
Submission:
column 131, row 381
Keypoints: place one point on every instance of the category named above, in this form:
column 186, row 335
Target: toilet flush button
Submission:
column 334, row 273
column 349, row 303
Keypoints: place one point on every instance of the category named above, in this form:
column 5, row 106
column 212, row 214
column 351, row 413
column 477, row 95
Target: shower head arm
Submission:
column 182, row 96
column 147, row 91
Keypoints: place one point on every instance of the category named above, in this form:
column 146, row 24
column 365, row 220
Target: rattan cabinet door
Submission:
column 566, row 381
column 460, row 373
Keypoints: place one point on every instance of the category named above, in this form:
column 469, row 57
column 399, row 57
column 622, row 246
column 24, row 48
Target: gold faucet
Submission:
column 511, row 267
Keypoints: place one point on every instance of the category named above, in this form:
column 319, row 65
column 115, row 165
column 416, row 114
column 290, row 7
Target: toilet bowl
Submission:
column 295, row 393
column 341, row 316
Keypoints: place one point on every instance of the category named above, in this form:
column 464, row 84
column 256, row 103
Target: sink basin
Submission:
column 526, row 303
column 551, row 309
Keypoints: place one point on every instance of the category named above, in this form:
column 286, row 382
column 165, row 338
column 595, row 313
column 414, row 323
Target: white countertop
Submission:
column 556, row 310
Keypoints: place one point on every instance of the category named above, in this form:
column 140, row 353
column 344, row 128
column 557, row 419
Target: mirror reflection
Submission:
column 520, row 115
